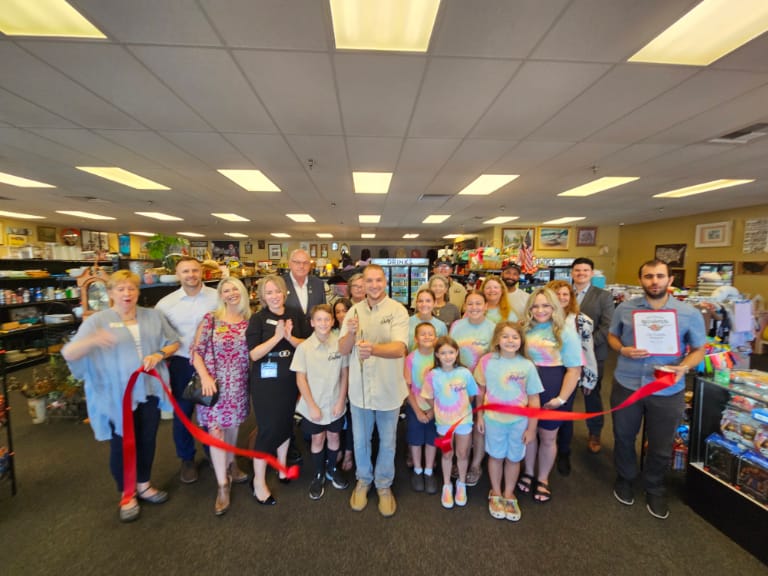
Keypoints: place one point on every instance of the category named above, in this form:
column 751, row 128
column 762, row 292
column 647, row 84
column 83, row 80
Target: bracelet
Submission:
column 561, row 400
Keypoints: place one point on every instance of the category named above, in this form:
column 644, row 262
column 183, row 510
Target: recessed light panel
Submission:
column 701, row 188
column 300, row 217
column 371, row 182
column 87, row 215
column 191, row 234
column 487, row 184
column 235, row 234
column 324, row 235
column 451, row 236
column 123, row 177
column 21, row 215
column 280, row 235
column 410, row 236
column 160, row 216
column 435, row 218
column 598, row 185
column 712, row 29
column 147, row 234
column 229, row 217
column 368, row 236
column 44, row 18
column 500, row 220
column 565, row 220
column 369, row 218
column 250, row 180
column 394, row 25
column 22, row 182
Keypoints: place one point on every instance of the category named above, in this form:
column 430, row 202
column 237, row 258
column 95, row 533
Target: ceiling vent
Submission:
column 434, row 197
column 743, row 136
column 7, row 199
column 91, row 199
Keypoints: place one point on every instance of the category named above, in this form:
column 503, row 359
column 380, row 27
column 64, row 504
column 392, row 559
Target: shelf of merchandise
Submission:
column 9, row 475
column 723, row 505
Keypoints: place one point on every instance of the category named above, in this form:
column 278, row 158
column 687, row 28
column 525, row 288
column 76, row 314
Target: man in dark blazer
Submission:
column 598, row 305
column 304, row 289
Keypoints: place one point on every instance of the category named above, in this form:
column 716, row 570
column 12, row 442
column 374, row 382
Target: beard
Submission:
column 510, row 283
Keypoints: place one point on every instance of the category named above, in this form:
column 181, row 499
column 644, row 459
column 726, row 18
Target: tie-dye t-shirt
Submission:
column 474, row 340
column 417, row 365
column 494, row 315
column 440, row 329
column 452, row 392
column 541, row 346
column 507, row 381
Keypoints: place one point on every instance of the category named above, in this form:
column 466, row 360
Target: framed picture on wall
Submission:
column 713, row 235
column 261, row 244
column 512, row 238
column 313, row 250
column 553, row 238
column 323, row 250
column 672, row 254
column 123, row 244
column 678, row 277
column 275, row 251
column 586, row 236
column 248, row 248
column 46, row 234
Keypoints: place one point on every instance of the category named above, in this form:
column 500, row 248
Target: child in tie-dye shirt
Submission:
column 506, row 377
column 450, row 389
column 420, row 416
column 474, row 333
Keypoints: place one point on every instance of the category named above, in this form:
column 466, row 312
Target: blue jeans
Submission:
column 181, row 372
column 363, row 421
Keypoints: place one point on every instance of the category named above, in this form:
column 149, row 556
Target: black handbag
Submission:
column 194, row 390
column 194, row 393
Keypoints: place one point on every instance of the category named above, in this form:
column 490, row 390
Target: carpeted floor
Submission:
column 64, row 520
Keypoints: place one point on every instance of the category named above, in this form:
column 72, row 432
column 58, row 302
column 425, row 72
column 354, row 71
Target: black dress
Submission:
column 273, row 384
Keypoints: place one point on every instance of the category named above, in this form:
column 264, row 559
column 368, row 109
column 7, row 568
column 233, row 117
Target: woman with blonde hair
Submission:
column 555, row 349
column 220, row 356
column 496, row 300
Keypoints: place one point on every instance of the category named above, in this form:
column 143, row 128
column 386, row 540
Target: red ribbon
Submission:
column 129, row 438
column 665, row 380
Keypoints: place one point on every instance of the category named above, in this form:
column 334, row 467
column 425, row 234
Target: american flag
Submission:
column 527, row 260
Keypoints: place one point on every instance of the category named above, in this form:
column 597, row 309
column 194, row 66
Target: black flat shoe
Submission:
column 284, row 480
column 268, row 501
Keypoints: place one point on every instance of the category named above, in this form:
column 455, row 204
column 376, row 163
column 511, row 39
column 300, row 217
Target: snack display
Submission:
column 752, row 477
column 722, row 457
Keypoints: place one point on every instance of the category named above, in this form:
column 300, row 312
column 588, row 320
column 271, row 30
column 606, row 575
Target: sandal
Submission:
column 348, row 463
column 525, row 484
column 543, row 493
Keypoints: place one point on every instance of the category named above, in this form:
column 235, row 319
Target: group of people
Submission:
column 351, row 366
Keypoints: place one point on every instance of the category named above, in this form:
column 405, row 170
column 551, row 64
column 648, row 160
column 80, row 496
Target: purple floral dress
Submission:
column 225, row 353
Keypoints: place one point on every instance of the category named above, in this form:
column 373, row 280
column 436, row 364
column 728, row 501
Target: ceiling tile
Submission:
column 22, row 113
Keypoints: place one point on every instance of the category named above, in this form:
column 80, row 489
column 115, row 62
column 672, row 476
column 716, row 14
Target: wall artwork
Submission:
column 672, row 254
column 313, row 250
column 756, row 236
column 225, row 249
column 199, row 249
column 275, row 251
column 678, row 277
column 248, row 248
column 512, row 238
column 586, row 236
column 553, row 238
column 713, row 235
column 46, row 234
column 323, row 250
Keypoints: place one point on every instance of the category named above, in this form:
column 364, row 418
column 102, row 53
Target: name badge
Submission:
column 269, row 370
column 271, row 321
column 222, row 329
column 117, row 324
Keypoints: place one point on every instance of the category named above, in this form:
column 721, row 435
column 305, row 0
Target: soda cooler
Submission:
column 404, row 276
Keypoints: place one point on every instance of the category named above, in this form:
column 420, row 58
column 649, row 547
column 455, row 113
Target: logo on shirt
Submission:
column 334, row 356
column 387, row 319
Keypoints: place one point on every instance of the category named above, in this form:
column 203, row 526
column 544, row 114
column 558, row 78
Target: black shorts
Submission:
column 309, row 427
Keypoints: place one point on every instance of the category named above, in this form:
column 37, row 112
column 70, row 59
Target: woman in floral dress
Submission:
column 220, row 356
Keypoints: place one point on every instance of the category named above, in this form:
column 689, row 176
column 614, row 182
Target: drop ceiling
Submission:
column 542, row 89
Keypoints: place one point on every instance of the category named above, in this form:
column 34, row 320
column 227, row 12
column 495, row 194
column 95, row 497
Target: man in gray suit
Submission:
column 598, row 305
column 304, row 290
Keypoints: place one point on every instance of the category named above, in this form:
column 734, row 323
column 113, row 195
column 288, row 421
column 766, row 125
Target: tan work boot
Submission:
column 359, row 499
column 387, row 504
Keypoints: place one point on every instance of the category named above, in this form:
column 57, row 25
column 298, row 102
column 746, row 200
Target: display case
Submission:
column 404, row 276
column 7, row 467
column 724, row 477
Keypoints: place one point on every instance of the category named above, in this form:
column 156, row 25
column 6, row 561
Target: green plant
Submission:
column 159, row 245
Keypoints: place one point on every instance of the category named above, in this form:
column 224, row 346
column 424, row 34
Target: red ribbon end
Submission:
column 292, row 473
column 443, row 443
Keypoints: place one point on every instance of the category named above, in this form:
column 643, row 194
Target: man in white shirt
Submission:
column 305, row 290
column 375, row 333
column 518, row 299
column 184, row 309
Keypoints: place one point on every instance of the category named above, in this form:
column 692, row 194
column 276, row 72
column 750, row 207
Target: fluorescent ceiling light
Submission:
column 487, row 184
column 709, row 31
column 599, row 185
column 410, row 236
column 191, row 234
column 300, row 217
column 160, row 216
column 147, row 234
column 435, row 218
column 371, row 182
column 235, row 234
column 123, row 177
column 22, row 182
column 701, row 188
column 450, row 236
column 21, row 215
column 368, row 236
column 280, row 235
column 500, row 220
column 565, row 220
column 324, row 235
column 251, row 180
column 369, row 218
column 44, row 18
column 229, row 217
column 394, row 25
column 88, row 215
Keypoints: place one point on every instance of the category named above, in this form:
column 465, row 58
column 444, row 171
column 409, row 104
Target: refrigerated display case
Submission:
column 404, row 276
column 556, row 269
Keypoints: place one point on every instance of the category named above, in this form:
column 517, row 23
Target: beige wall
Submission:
column 637, row 244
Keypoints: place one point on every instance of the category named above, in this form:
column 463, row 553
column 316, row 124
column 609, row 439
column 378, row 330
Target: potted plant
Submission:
column 36, row 391
column 166, row 249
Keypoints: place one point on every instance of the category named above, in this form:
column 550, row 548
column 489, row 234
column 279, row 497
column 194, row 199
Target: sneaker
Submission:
column 496, row 507
column 622, row 490
column 447, row 497
column 512, row 510
column 657, row 506
column 430, row 484
column 317, row 487
column 387, row 503
column 188, row 474
column 336, row 478
column 564, row 464
column 473, row 476
column 417, row 482
column 359, row 499
column 593, row 444
column 461, row 493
